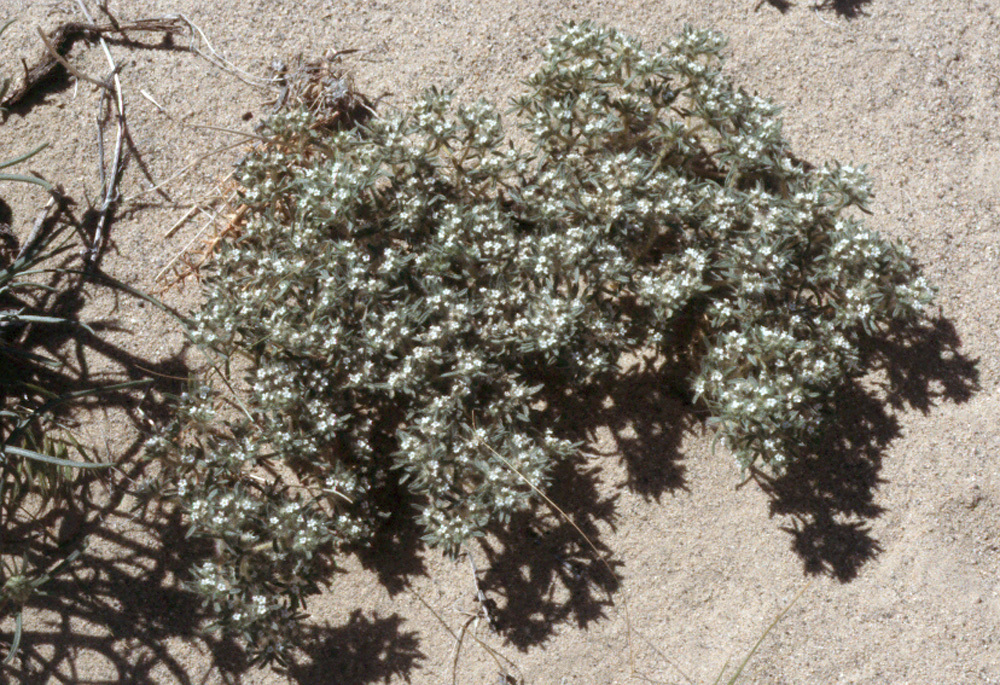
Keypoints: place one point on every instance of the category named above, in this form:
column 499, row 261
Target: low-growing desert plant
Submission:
column 401, row 292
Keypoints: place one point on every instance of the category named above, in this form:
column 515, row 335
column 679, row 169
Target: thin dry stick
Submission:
column 480, row 595
column 199, row 234
column 184, row 171
column 465, row 626
column 63, row 61
column 109, row 184
column 55, row 41
column 497, row 656
column 458, row 648
column 145, row 94
column 245, row 134
column 36, row 230
column 485, row 611
column 204, row 127
column 180, row 222
column 196, row 206
column 215, row 58
column 555, row 507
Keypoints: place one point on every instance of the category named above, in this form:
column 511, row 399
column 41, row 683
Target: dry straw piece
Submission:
column 326, row 90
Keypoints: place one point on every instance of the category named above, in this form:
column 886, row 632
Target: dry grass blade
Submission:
column 54, row 53
column 212, row 55
column 495, row 655
column 597, row 553
column 109, row 181
column 320, row 86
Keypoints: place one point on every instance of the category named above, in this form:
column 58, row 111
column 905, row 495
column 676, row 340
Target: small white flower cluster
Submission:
column 237, row 610
column 674, row 285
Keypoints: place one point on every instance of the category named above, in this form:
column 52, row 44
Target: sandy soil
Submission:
column 899, row 542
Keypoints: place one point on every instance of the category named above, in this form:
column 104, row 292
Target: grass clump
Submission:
column 403, row 291
column 40, row 458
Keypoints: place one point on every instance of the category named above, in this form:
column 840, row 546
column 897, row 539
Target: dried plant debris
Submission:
column 324, row 88
column 56, row 43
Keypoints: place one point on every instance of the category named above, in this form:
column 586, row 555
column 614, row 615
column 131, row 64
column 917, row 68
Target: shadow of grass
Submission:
column 118, row 605
column 116, row 601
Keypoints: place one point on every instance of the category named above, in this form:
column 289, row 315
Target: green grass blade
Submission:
column 32, row 318
column 725, row 667
column 11, row 351
column 26, row 179
column 124, row 287
column 38, row 456
column 56, row 401
column 777, row 619
column 18, row 627
column 22, row 158
column 25, row 286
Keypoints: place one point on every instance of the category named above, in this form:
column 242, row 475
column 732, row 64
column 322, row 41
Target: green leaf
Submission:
column 27, row 179
column 16, row 642
column 26, row 155
column 37, row 456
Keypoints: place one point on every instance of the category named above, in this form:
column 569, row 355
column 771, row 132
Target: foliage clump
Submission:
column 38, row 448
column 403, row 291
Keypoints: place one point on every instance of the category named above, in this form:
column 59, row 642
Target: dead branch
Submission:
column 58, row 41
column 56, row 200
column 109, row 181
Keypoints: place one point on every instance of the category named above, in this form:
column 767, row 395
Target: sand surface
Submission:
column 899, row 542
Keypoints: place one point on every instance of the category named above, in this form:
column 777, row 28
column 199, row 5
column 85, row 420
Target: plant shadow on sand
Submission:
column 540, row 567
column 849, row 9
column 119, row 584
column 119, row 603
column 539, row 572
column 830, row 495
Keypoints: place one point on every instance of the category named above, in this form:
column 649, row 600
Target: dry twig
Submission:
column 109, row 181
column 57, row 42
column 55, row 200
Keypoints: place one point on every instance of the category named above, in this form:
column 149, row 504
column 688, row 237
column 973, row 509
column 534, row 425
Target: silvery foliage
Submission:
column 399, row 290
